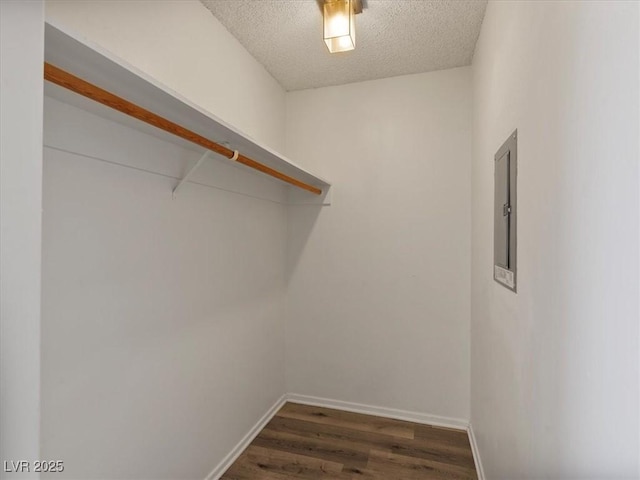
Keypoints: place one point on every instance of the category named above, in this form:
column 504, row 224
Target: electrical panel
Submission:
column 505, row 213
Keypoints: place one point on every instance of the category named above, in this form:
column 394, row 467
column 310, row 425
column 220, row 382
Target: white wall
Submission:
column 162, row 328
column 378, row 293
column 21, row 57
column 182, row 45
column 162, row 333
column 554, row 368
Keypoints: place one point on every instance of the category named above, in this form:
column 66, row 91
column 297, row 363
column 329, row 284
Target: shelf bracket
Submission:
column 185, row 179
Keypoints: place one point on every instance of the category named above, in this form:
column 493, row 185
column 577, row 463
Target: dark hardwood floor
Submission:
column 305, row 442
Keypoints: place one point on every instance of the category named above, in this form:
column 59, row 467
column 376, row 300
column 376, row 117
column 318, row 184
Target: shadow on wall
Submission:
column 302, row 220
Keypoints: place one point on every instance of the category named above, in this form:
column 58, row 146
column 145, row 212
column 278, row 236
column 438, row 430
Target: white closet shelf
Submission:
column 96, row 66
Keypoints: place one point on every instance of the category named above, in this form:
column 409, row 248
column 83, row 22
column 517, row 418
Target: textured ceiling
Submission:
column 393, row 37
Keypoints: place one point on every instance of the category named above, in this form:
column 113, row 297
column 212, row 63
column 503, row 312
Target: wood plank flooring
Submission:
column 304, row 442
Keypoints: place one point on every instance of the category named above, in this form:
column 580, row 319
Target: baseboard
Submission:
column 416, row 417
column 476, row 453
column 233, row 455
column 423, row 418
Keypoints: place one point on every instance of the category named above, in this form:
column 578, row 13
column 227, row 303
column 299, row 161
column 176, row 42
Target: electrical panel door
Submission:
column 504, row 213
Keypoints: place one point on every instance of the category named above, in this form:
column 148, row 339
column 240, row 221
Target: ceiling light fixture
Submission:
column 339, row 24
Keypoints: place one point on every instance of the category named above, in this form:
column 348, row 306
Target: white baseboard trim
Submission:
column 233, row 455
column 423, row 418
column 476, row 453
column 415, row 417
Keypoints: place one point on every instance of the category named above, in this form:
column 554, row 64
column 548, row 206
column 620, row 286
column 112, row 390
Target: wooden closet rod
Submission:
column 65, row 79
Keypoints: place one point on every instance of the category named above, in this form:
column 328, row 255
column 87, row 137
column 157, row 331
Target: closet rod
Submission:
column 67, row 80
